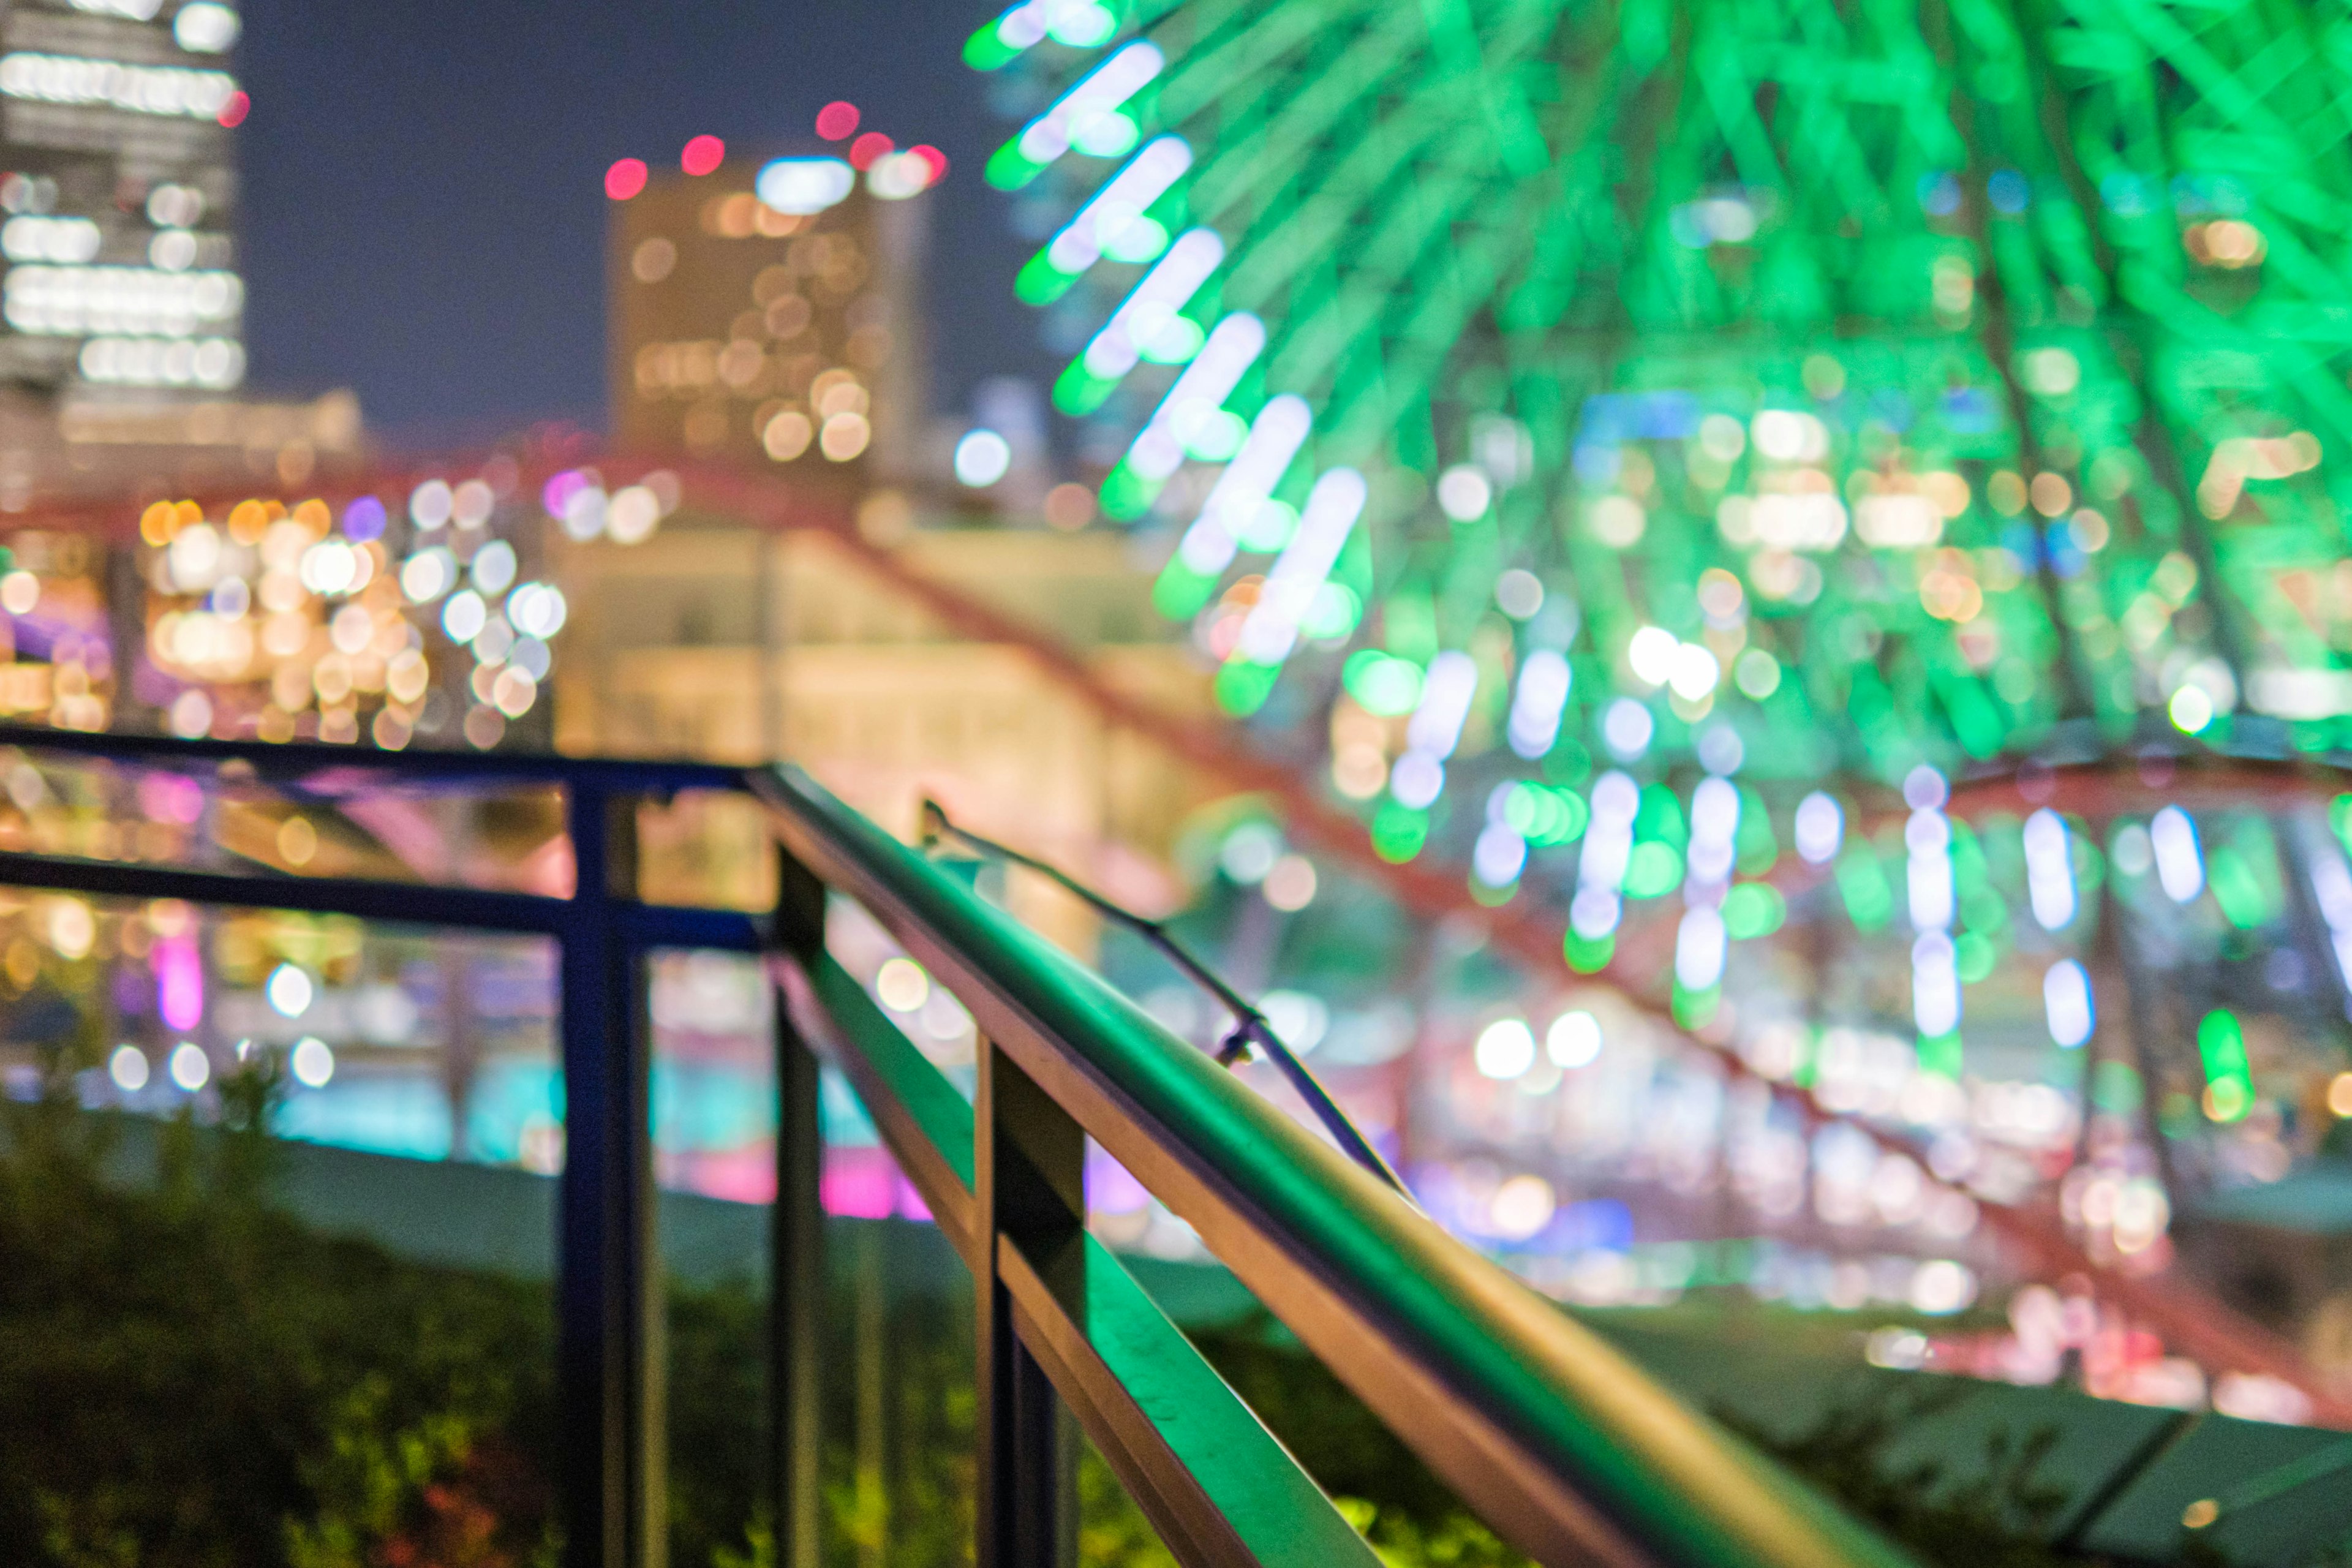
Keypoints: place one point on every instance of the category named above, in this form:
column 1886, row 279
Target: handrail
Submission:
column 277, row 762
column 1250, row 1026
column 1559, row 1442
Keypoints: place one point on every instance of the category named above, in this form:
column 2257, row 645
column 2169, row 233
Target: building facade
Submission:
column 778, row 339
column 767, row 316
column 122, row 353
column 118, row 195
column 739, row 645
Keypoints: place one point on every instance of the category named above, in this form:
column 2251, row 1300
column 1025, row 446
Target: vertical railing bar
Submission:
column 1028, row 1167
column 649, row 1432
column 604, row 1233
column 796, row 1284
column 796, row 1302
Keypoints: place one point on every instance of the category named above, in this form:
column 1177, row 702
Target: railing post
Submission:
column 611, row 1506
column 1029, row 1181
column 796, row 1285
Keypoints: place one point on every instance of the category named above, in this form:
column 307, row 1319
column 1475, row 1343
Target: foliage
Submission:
column 1409, row 1516
column 718, row 1431
column 2000, row 1519
column 1112, row 1531
column 190, row 1379
column 371, row 1481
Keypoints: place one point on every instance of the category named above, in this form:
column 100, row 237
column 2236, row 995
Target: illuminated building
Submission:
column 211, row 437
column 117, row 187
column 734, row 644
column 121, row 313
column 765, row 314
column 122, row 302
column 778, row 339
column 404, row 611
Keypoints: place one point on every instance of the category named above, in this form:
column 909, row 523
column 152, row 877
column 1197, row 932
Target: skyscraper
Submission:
column 118, row 195
column 775, row 338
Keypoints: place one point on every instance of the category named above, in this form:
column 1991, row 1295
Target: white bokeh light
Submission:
column 312, row 1061
column 1573, row 1040
column 981, row 458
column 290, row 991
column 1506, row 1048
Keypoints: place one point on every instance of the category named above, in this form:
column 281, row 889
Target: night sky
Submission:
column 424, row 210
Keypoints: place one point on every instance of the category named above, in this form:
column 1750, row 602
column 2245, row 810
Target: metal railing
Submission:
column 1561, row 1444
column 605, row 1281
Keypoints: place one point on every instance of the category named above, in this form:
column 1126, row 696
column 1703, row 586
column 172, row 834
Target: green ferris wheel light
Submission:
column 1951, row 383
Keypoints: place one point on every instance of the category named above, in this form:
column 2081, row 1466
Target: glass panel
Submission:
column 1379, row 1485
column 900, row 1392
column 333, row 822
column 926, row 1011
column 1112, row 1530
column 717, row 1383
column 709, row 848
column 276, row 1236
column 900, row 1396
column 714, row 1137
column 714, row 1075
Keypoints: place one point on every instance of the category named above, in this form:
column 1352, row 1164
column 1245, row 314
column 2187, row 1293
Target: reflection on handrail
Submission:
column 1250, row 1026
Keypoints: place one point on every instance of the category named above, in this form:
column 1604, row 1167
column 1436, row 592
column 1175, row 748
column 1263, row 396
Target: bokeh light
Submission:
column 836, row 120
column 800, row 187
column 981, row 458
column 625, row 178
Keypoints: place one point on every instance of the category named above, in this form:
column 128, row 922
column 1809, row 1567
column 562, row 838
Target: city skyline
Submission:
column 391, row 253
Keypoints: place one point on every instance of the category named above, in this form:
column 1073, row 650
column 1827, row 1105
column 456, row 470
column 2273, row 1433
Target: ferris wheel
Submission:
column 1692, row 432
column 1946, row 382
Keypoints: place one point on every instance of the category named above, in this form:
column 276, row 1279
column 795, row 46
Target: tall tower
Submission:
column 784, row 337
column 118, row 195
